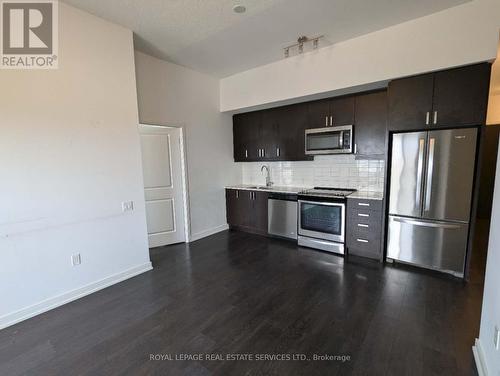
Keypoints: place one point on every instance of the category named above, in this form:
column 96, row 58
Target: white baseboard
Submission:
column 204, row 234
column 59, row 300
column 477, row 350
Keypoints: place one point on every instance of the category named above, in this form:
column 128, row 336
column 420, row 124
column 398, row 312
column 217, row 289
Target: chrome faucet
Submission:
column 268, row 176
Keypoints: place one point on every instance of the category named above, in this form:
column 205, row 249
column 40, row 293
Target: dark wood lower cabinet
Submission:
column 247, row 210
column 364, row 228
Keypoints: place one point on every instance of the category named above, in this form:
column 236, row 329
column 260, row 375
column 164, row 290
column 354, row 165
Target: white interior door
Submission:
column 163, row 187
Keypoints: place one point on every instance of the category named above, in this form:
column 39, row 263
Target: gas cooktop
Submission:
column 328, row 192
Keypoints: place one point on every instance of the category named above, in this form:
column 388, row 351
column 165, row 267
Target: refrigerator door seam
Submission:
column 420, row 170
column 430, row 170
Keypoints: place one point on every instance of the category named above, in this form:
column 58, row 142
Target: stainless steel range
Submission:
column 321, row 221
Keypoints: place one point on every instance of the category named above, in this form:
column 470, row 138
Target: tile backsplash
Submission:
column 340, row 171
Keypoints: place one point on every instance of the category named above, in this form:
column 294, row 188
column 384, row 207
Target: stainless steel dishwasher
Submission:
column 282, row 215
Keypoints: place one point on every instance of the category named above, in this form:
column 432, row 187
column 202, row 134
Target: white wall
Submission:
column 458, row 36
column 69, row 152
column 490, row 314
column 171, row 94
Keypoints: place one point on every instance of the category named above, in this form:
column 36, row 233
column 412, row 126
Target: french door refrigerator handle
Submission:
column 420, row 168
column 430, row 168
column 427, row 224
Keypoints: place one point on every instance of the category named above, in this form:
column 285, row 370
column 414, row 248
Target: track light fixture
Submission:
column 301, row 42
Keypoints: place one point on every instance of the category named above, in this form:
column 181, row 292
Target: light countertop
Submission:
column 277, row 189
column 363, row 195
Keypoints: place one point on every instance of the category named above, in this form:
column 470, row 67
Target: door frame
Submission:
column 184, row 177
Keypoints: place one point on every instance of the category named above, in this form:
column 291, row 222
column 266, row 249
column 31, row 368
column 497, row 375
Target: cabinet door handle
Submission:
column 363, row 215
column 363, row 204
column 362, row 240
column 435, row 117
column 277, row 152
column 427, row 117
column 355, row 148
column 363, row 225
column 331, row 119
column 237, row 194
column 263, row 153
column 326, row 121
column 246, row 153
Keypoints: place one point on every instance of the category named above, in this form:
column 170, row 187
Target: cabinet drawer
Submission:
column 369, row 228
column 364, row 247
column 364, row 231
column 364, row 205
column 371, row 218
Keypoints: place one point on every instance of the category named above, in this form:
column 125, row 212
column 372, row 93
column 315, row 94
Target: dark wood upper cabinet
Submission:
column 246, row 129
column 342, row 111
column 370, row 124
column 293, row 123
column 410, row 102
column 318, row 114
column 451, row 98
column 331, row 112
column 268, row 135
column 461, row 96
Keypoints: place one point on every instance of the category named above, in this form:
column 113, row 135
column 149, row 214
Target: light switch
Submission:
column 127, row 206
column 76, row 259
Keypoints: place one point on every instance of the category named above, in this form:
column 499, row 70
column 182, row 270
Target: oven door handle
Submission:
column 341, row 204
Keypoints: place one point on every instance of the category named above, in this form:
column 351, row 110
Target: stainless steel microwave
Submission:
column 329, row 140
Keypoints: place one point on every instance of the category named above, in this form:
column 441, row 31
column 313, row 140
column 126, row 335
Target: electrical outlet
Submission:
column 127, row 206
column 76, row 259
column 496, row 339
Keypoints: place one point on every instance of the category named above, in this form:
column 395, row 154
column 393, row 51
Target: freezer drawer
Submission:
column 431, row 244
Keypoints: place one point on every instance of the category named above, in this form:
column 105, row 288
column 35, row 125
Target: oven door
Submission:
column 322, row 220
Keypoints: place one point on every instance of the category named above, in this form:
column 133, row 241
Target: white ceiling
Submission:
column 206, row 35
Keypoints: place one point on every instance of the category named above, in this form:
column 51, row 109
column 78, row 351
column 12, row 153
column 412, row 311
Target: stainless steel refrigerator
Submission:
column 431, row 186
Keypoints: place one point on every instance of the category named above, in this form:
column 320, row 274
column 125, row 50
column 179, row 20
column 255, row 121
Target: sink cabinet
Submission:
column 247, row 210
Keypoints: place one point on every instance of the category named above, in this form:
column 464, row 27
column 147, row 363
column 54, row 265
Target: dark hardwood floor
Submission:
column 236, row 293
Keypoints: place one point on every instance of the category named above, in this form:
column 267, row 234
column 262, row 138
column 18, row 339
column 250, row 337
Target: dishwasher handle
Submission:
column 283, row 196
